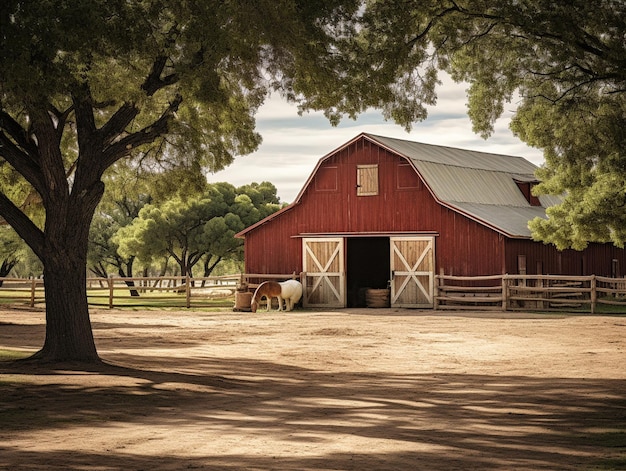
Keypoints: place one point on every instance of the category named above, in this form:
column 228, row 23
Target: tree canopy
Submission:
column 160, row 83
column 191, row 229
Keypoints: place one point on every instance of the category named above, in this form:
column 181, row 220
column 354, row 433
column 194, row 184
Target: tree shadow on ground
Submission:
column 442, row 421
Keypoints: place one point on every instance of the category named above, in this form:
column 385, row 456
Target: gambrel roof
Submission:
column 480, row 185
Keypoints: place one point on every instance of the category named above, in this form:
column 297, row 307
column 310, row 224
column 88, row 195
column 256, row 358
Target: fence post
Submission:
column 436, row 293
column 110, row 282
column 33, row 287
column 594, row 294
column 505, row 292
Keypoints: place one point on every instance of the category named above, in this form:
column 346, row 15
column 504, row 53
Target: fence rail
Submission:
column 528, row 292
column 174, row 291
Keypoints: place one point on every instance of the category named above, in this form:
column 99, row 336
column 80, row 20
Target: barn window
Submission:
column 366, row 180
column 406, row 177
column 527, row 190
column 326, row 179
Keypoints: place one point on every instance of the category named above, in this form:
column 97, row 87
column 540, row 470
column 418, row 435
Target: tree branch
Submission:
column 149, row 134
column 195, row 257
column 22, row 162
column 118, row 122
column 61, row 117
column 85, row 121
column 154, row 82
column 19, row 135
column 24, row 227
column 432, row 22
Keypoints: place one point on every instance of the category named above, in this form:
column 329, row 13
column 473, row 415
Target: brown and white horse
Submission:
column 290, row 291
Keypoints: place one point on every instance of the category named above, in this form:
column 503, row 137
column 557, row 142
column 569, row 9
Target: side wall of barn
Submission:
column 536, row 258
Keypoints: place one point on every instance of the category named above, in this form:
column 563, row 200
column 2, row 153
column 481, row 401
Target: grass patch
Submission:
column 610, row 309
column 173, row 301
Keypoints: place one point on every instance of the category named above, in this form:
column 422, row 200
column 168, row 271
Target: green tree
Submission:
column 564, row 64
column 86, row 84
column 174, row 229
column 192, row 229
column 103, row 251
column 15, row 256
column 250, row 203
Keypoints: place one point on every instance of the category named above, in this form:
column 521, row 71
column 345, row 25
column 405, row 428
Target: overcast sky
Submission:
column 292, row 144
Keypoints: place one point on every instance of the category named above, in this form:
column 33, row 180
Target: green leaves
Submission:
column 583, row 140
column 201, row 226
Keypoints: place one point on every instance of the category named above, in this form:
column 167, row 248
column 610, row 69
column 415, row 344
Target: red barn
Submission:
column 379, row 212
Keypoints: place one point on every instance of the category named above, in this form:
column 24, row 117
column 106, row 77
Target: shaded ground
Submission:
column 370, row 389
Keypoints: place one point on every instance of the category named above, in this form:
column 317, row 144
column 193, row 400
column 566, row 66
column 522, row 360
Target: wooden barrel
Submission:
column 377, row 298
column 243, row 300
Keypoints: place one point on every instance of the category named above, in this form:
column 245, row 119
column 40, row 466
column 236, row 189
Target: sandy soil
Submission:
column 369, row 389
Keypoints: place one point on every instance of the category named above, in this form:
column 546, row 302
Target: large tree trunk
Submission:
column 69, row 335
column 70, row 193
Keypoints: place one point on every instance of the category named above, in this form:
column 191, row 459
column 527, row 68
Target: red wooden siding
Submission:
column 597, row 259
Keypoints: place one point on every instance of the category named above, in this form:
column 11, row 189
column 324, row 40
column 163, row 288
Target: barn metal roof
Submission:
column 480, row 185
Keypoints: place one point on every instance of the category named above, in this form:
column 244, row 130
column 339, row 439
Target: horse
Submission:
column 290, row 291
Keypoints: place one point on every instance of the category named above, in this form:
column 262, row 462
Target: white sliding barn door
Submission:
column 412, row 266
column 323, row 265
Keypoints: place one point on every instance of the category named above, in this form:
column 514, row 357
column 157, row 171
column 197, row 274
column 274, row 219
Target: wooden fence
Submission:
column 498, row 292
column 529, row 292
column 171, row 291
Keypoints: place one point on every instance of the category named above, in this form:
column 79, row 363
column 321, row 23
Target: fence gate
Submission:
column 412, row 266
column 323, row 265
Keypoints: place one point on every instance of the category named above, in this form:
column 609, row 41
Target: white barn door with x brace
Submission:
column 323, row 265
column 412, row 266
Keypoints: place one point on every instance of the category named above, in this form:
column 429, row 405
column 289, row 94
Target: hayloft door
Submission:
column 412, row 271
column 323, row 265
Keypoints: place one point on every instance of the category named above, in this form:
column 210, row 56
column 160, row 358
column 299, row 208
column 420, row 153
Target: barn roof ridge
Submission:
column 456, row 156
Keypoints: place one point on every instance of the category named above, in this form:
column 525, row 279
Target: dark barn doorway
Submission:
column 367, row 266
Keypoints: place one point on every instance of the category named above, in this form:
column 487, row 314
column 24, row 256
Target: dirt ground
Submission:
column 368, row 389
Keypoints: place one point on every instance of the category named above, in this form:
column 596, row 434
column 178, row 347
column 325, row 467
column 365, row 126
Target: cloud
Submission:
column 293, row 144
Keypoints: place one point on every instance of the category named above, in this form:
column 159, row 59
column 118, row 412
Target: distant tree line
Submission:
column 156, row 233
